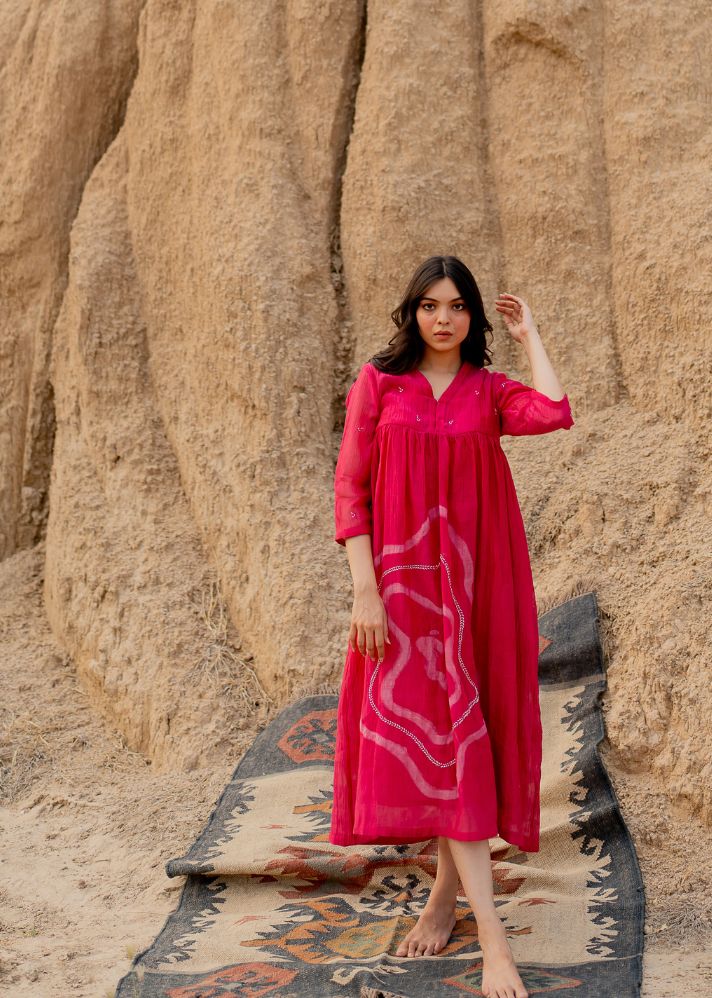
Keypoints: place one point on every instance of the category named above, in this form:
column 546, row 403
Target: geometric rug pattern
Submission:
column 271, row 908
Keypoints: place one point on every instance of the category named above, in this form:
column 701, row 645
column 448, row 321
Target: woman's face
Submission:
column 443, row 317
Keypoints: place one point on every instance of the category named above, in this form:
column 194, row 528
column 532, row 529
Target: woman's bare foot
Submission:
column 500, row 977
column 432, row 930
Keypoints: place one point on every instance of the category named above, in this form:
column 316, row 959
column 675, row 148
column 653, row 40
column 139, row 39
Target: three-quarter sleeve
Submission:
column 352, row 477
column 524, row 410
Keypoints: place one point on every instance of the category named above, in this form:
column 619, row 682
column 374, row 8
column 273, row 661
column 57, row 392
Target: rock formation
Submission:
column 209, row 211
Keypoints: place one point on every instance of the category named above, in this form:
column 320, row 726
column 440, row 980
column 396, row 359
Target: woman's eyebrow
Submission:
column 427, row 298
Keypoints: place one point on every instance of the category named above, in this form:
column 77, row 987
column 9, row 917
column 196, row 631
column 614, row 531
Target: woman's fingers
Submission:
column 361, row 642
column 366, row 642
column 508, row 302
column 372, row 640
column 380, row 645
column 358, row 636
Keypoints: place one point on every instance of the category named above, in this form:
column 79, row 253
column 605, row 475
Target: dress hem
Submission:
column 526, row 845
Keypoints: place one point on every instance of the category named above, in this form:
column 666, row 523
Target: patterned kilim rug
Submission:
column 270, row 907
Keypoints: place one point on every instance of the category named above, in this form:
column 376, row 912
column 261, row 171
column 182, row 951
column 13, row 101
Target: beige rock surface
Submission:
column 209, row 211
column 65, row 75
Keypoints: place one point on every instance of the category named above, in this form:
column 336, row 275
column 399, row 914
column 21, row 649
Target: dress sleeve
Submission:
column 524, row 410
column 352, row 477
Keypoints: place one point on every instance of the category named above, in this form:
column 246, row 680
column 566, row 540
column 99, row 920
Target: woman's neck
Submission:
column 441, row 363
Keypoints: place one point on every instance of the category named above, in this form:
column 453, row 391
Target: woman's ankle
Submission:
column 489, row 923
column 444, row 896
column 492, row 934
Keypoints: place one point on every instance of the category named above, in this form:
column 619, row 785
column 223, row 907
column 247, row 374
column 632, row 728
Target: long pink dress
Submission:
column 443, row 735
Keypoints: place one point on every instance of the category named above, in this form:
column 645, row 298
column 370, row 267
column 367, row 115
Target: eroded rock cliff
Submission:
column 209, row 211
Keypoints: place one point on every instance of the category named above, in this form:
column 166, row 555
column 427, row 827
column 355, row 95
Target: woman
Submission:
column 439, row 729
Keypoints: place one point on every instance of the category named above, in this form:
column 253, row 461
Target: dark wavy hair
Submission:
column 406, row 347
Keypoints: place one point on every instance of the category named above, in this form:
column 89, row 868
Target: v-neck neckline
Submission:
column 444, row 393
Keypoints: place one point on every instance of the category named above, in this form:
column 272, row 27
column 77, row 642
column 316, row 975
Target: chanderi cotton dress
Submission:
column 443, row 735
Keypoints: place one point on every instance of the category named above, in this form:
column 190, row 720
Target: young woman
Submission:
column 439, row 729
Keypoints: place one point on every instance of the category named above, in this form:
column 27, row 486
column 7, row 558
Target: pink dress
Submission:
column 443, row 735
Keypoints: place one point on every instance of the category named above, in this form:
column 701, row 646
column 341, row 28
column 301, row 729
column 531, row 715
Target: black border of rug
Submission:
column 574, row 657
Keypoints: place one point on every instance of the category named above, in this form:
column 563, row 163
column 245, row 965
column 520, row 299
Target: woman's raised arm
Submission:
column 542, row 406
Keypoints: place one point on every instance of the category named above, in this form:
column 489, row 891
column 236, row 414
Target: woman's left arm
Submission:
column 520, row 324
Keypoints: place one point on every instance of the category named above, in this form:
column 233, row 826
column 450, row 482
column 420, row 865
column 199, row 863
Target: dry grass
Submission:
column 24, row 748
column 679, row 921
column 221, row 666
column 305, row 688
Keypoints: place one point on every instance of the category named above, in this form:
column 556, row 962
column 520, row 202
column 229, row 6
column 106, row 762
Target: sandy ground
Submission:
column 86, row 827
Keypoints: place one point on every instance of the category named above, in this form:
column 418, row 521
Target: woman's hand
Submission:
column 517, row 314
column 369, row 623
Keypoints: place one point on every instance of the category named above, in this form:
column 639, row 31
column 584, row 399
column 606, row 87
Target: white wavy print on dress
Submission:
column 425, row 644
column 425, row 787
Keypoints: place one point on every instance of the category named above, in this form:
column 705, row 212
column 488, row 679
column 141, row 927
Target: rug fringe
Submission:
column 581, row 586
column 309, row 689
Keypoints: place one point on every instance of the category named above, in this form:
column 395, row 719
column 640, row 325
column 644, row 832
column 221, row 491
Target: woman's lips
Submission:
column 443, row 334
